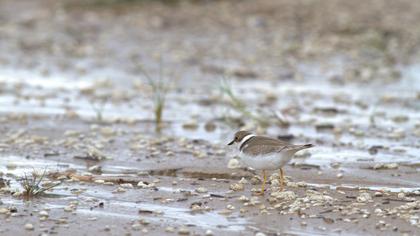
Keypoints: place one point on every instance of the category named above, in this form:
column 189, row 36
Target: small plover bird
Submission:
column 265, row 153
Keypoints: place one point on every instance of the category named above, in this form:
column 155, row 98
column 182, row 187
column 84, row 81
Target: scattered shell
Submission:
column 43, row 213
column 68, row 208
column 143, row 184
column 233, row 164
column 4, row 211
column 385, row 166
column 201, row 190
column 183, row 231
column 29, row 226
column 136, row 226
column 378, row 194
column 230, row 207
column 364, row 197
column 243, row 198
column 243, row 181
column 126, row 185
column 236, row 187
column 170, row 229
column 283, row 196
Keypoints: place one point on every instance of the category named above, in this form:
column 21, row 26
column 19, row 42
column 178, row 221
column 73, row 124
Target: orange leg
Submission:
column 281, row 179
column 263, row 183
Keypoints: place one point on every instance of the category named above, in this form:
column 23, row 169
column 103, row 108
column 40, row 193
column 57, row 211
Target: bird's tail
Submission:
column 301, row 147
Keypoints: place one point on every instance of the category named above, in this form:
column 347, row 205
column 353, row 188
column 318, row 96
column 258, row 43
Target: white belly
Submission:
column 266, row 162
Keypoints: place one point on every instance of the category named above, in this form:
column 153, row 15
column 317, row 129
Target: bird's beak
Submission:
column 233, row 141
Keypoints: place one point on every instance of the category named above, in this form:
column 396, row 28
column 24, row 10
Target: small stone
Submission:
column 95, row 169
column 126, row 185
column 43, row 213
column 29, row 226
column 143, row 184
column 230, row 207
column 260, row 234
column 401, row 195
column 170, row 229
column 243, row 198
column 68, row 209
column 208, row 233
column 378, row 194
column 364, row 197
column 190, row 125
column 335, row 165
column 119, row 190
column 4, row 210
column 136, row 226
column 283, row 196
column 233, row 164
column 236, row 187
column 243, row 181
column 184, row 231
column 201, row 190
column 340, row 175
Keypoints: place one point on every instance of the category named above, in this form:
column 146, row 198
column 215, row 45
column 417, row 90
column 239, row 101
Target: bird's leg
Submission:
column 263, row 183
column 281, row 179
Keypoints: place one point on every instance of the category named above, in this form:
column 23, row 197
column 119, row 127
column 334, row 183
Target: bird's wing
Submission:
column 264, row 149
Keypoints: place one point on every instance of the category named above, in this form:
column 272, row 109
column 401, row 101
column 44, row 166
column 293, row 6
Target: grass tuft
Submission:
column 240, row 106
column 159, row 92
column 32, row 185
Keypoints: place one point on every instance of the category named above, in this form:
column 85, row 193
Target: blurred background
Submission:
column 205, row 68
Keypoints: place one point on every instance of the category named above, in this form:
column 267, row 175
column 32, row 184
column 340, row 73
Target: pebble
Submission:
column 4, row 210
column 136, row 226
column 236, row 187
column 68, row 209
column 126, row 185
column 243, row 181
column 29, row 226
column 233, row 164
column 43, row 213
column 208, row 233
column 364, row 197
column 184, row 231
column 260, row 234
column 378, row 194
column 95, row 168
column 169, row 229
column 119, row 190
column 401, row 195
column 243, row 198
column 201, row 190
column 230, row 207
